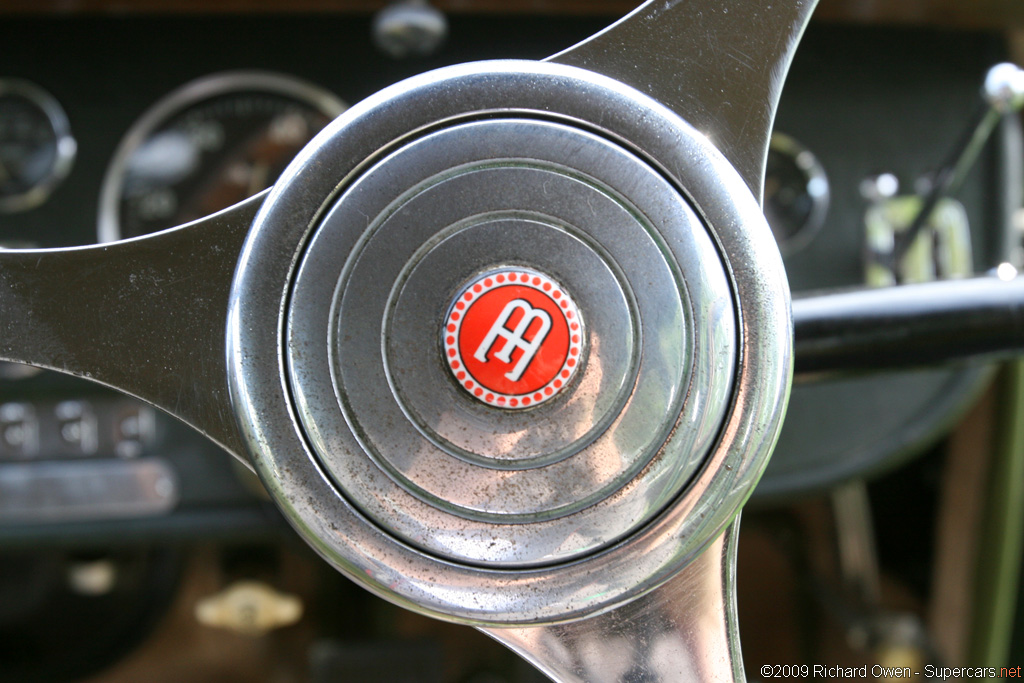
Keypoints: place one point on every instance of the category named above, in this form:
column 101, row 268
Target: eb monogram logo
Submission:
column 513, row 338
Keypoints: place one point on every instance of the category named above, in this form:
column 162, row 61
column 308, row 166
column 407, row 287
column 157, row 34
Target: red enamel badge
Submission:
column 513, row 337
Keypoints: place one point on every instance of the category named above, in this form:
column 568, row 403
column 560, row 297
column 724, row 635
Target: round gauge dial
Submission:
column 206, row 146
column 796, row 193
column 36, row 147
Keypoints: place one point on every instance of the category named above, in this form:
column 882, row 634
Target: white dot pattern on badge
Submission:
column 463, row 304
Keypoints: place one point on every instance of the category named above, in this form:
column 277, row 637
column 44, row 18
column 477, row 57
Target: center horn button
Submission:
column 488, row 354
column 434, row 461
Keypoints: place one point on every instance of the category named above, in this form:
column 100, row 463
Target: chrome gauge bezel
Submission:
column 814, row 172
column 188, row 95
column 64, row 143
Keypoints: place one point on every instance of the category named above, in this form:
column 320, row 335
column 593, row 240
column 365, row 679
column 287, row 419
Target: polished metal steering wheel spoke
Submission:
column 145, row 316
column 719, row 64
column 685, row 630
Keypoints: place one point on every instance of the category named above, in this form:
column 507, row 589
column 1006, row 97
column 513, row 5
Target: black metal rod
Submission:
column 947, row 180
column 1002, row 95
column 908, row 326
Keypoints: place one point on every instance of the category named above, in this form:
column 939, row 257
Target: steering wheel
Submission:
column 509, row 343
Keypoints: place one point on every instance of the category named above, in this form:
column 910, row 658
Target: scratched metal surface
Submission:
column 145, row 316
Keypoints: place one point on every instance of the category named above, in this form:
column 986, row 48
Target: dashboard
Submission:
column 114, row 125
column 170, row 118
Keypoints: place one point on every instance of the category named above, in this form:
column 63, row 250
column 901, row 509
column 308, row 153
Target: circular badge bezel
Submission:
column 472, row 293
column 258, row 373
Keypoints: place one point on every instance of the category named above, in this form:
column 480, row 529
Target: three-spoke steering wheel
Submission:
column 387, row 337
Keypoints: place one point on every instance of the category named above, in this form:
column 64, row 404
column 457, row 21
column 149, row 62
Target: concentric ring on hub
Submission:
column 507, row 439
column 475, row 483
column 382, row 534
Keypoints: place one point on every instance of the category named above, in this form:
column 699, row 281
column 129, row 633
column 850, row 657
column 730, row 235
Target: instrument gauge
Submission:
column 206, row 146
column 36, row 146
column 796, row 193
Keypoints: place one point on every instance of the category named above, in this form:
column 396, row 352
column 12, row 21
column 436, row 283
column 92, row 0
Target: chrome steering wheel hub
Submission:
column 380, row 413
